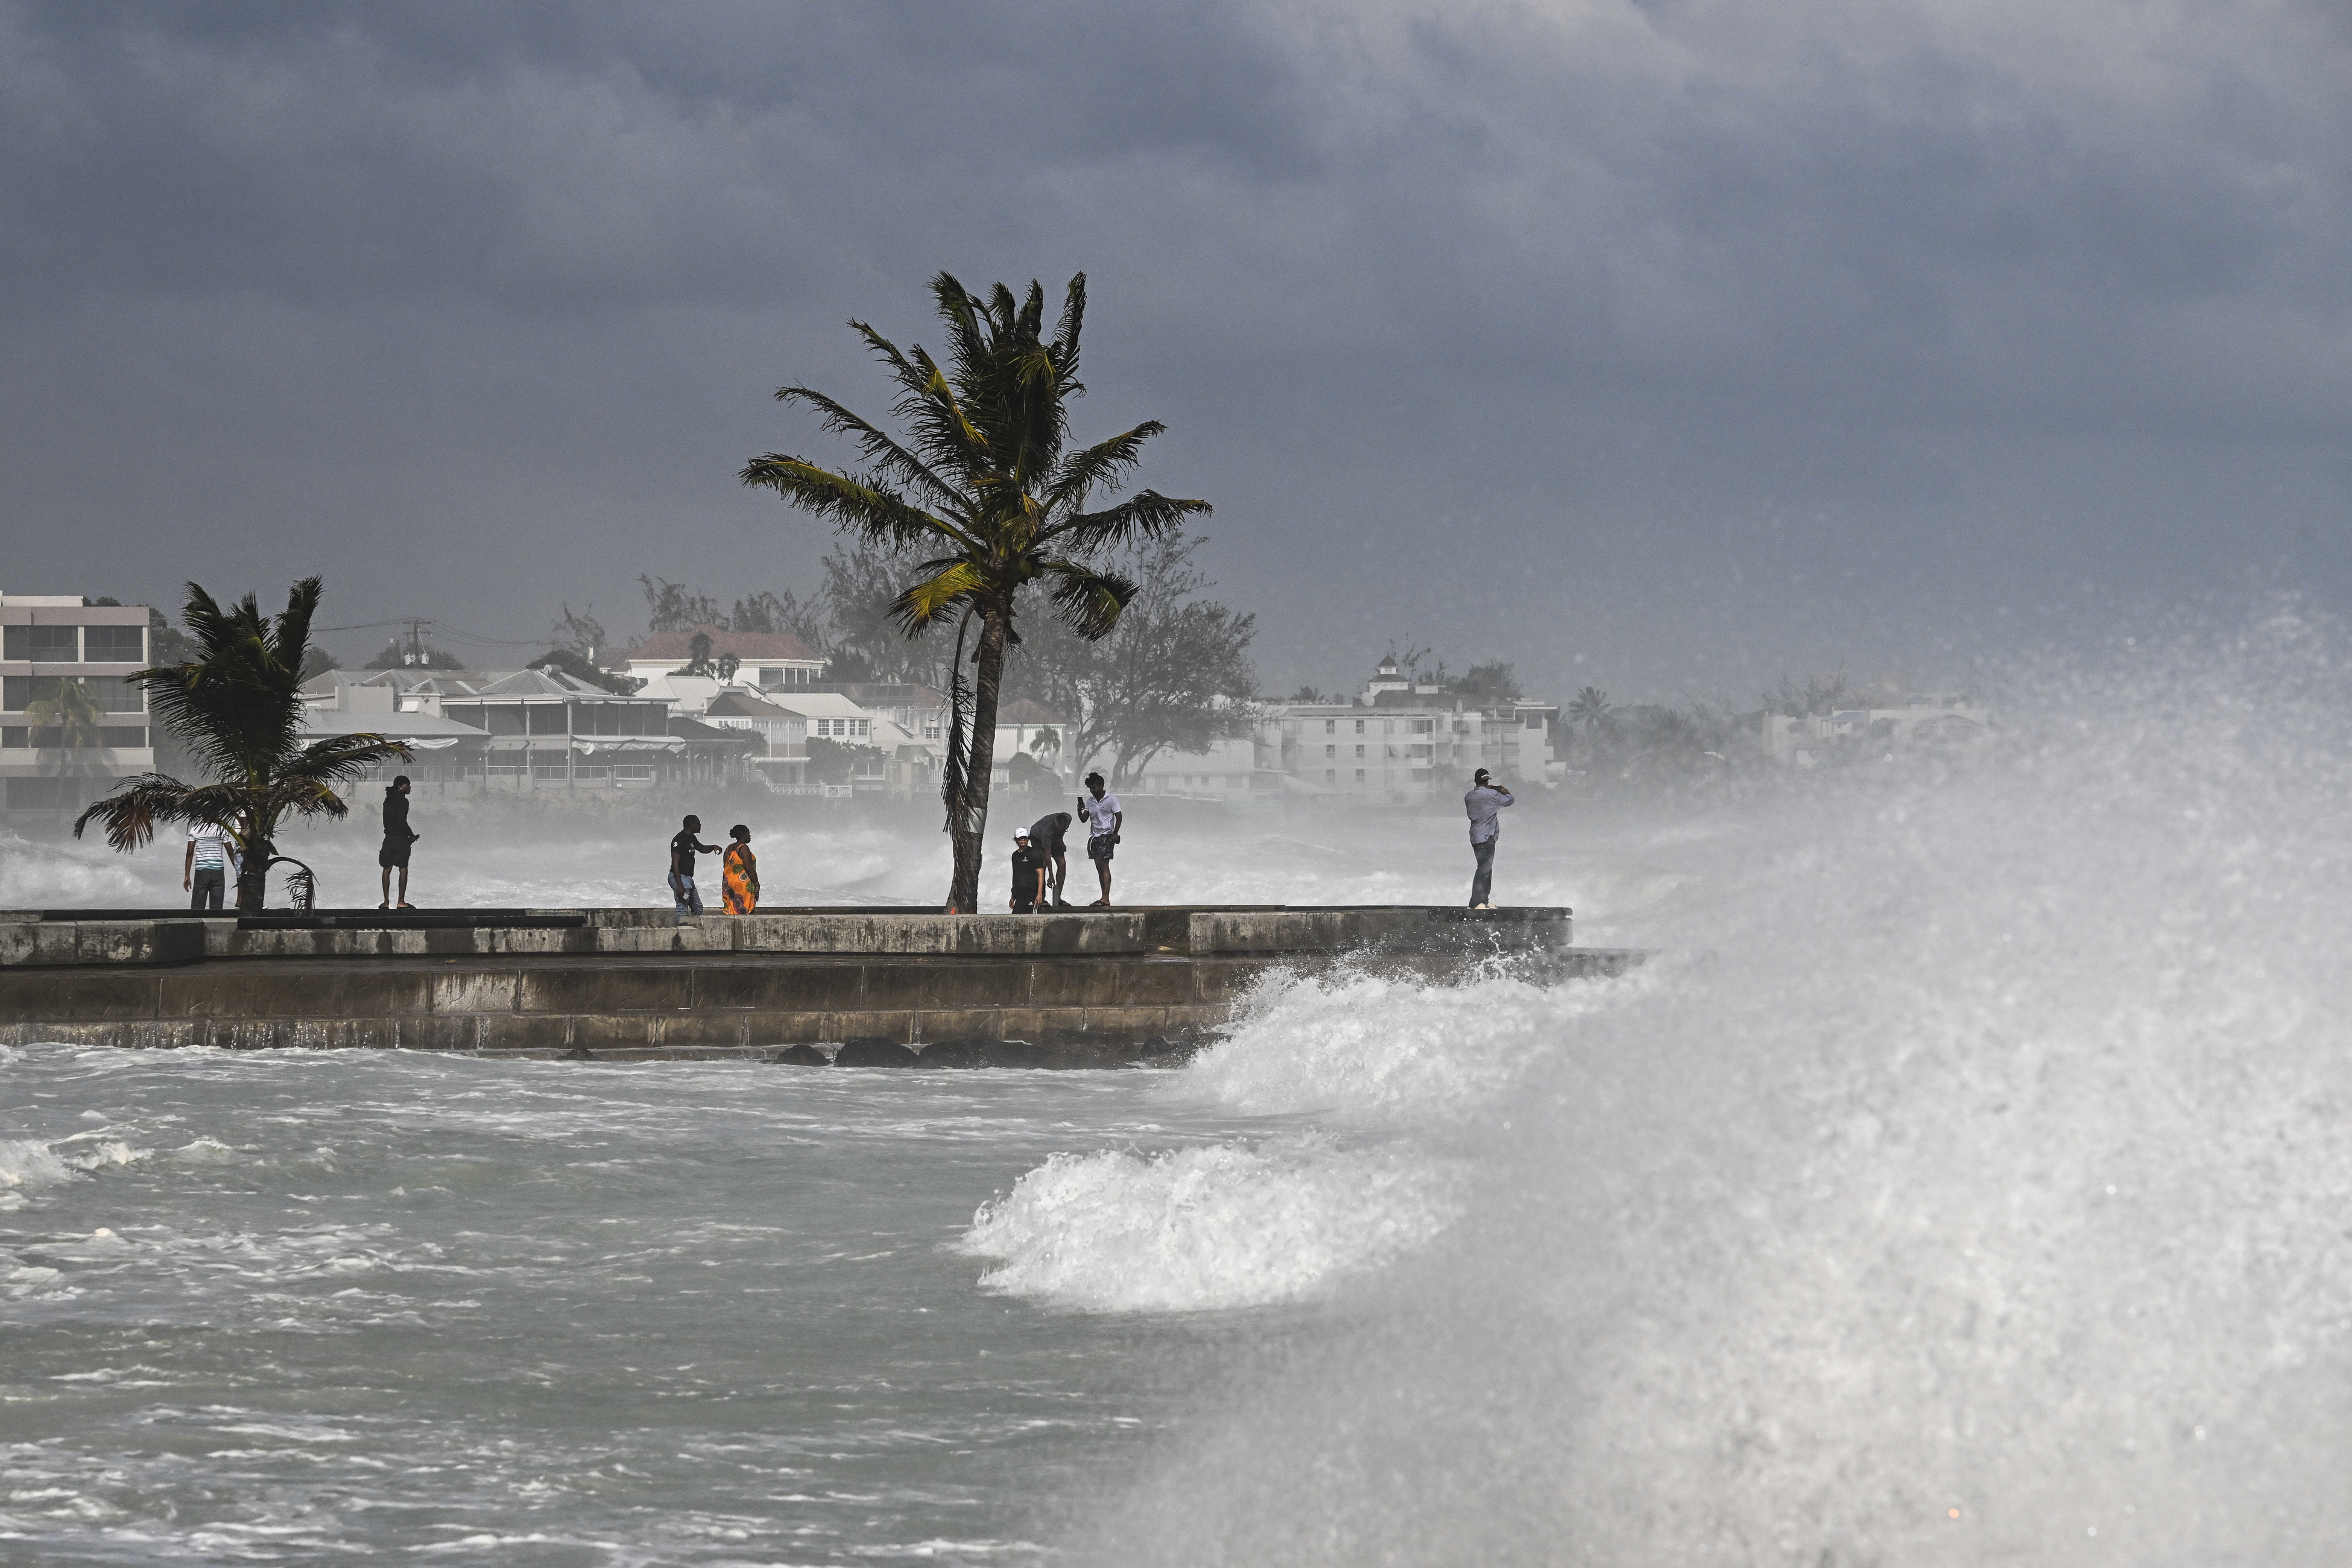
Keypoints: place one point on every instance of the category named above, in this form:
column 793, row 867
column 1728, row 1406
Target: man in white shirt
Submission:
column 1485, row 802
column 1103, row 817
column 203, row 870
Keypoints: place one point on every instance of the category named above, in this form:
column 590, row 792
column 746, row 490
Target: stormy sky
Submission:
column 1664, row 345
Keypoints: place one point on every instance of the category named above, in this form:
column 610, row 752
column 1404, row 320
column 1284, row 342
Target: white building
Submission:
column 766, row 661
column 71, row 725
column 1924, row 719
column 1404, row 743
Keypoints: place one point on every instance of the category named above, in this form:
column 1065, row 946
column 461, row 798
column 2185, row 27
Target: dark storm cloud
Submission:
column 1693, row 339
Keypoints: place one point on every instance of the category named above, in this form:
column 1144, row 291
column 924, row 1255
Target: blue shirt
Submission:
column 1484, row 805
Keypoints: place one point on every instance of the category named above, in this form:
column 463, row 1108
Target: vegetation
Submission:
column 1173, row 675
column 984, row 481
column 566, row 661
column 237, row 705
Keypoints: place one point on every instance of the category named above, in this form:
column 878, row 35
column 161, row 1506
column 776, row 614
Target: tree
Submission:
column 698, row 654
column 237, row 706
column 785, row 612
column 1488, row 685
column 318, row 661
column 77, row 720
column 671, row 608
column 582, row 634
column 571, row 664
column 984, row 480
column 1173, row 675
column 1589, row 710
column 1818, row 695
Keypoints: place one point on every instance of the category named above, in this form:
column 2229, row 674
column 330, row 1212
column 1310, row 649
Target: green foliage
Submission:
column 673, row 607
column 580, row 634
column 318, row 661
column 236, row 707
column 984, row 487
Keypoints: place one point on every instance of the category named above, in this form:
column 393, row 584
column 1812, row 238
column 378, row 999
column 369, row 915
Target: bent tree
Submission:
column 982, row 478
column 237, row 705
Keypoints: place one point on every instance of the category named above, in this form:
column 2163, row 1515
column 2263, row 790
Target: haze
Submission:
column 1669, row 345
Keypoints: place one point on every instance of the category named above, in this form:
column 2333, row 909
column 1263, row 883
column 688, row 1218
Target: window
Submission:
column 505, row 717
column 1360, row 775
column 1421, row 726
column 1359, row 750
column 15, row 738
column 36, row 794
column 1330, row 726
column 18, row 692
column 131, row 735
column 771, row 678
column 1417, row 751
column 1388, row 726
column 114, row 644
column 1330, row 775
column 1330, row 751
column 1360, row 726
column 546, row 718
column 42, row 645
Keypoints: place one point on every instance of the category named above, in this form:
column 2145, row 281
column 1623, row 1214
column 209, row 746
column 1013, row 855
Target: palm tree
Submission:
column 982, row 480
column 78, row 718
column 1589, row 708
column 237, row 706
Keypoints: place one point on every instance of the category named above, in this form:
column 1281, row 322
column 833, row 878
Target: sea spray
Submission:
column 1971, row 1182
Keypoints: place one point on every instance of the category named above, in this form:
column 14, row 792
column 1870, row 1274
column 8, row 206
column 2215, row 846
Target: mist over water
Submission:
column 1965, row 1181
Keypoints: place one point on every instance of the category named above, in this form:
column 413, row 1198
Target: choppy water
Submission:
column 1969, row 1181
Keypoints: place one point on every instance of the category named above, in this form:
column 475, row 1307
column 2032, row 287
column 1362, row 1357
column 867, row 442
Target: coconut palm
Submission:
column 77, row 721
column 237, row 706
column 983, row 481
column 1590, row 708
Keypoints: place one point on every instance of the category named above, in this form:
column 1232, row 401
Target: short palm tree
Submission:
column 983, row 481
column 237, row 705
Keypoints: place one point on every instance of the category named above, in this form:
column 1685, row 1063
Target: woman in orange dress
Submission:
column 741, row 873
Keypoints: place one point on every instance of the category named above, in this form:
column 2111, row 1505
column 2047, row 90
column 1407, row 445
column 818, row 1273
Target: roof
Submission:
column 677, row 647
column 543, row 683
column 736, row 704
column 704, row 734
column 1023, row 711
column 818, row 705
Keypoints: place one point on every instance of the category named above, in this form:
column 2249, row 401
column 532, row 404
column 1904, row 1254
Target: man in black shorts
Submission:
column 1028, row 876
column 1045, row 837
column 682, row 851
column 1103, row 818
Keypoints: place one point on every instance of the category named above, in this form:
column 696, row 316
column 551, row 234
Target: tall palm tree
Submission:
column 1590, row 708
column 237, row 705
column 983, row 479
column 79, row 722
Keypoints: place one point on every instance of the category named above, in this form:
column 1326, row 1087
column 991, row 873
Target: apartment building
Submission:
column 71, row 722
column 1403, row 742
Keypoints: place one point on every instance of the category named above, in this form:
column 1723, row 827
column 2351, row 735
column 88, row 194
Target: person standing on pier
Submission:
column 1103, row 816
column 1045, row 836
column 397, row 838
column 739, row 871
column 1028, row 875
column 1485, row 804
column 204, row 871
column 682, row 851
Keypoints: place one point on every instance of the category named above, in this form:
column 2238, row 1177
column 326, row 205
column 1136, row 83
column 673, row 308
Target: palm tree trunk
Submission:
column 969, row 832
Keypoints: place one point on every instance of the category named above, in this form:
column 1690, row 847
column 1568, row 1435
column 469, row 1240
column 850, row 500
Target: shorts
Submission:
column 1100, row 848
column 393, row 855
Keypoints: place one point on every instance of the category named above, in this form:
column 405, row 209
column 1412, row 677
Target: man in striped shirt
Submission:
column 203, row 870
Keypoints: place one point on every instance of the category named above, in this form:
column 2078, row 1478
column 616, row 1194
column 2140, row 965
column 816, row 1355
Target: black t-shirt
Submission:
column 1045, row 832
column 1026, row 864
column 682, row 850
column 395, row 819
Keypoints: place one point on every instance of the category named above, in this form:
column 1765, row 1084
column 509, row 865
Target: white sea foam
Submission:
column 1971, row 1186
column 1187, row 1230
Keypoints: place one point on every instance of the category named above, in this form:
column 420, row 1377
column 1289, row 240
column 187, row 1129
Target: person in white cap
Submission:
column 1028, row 875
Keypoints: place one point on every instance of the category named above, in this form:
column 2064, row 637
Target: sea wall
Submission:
column 808, row 987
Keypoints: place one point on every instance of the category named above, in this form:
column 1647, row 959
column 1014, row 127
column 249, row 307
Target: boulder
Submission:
column 802, row 1056
column 875, row 1051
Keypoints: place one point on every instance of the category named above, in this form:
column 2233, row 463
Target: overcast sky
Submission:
column 1667, row 346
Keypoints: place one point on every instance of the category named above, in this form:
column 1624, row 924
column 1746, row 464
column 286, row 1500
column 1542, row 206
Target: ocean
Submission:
column 1967, row 1180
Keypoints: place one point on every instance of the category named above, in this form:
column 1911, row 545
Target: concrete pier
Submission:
column 860, row 986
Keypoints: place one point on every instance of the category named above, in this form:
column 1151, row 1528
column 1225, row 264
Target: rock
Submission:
column 875, row 1051
column 802, row 1057
column 955, row 1054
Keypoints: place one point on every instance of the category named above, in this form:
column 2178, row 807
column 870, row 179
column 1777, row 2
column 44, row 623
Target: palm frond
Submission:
column 850, row 501
column 1088, row 601
column 1146, row 514
column 339, row 759
column 1066, row 336
column 1103, row 466
column 926, row 402
column 879, row 449
column 133, row 810
column 925, row 602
